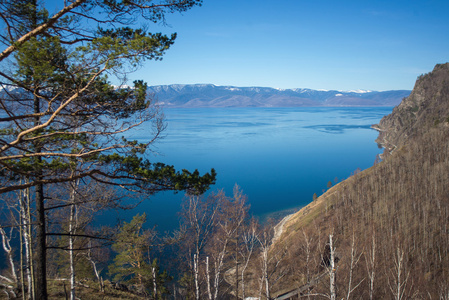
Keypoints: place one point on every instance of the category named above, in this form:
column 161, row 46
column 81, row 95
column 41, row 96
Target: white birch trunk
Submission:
column 332, row 286
column 400, row 256
column 243, row 273
column 400, row 283
column 209, row 293
column 153, row 271
column 7, row 247
column 249, row 240
column 370, row 266
column 72, row 259
column 72, row 230
column 265, row 272
column 25, row 237
column 195, row 272
column 29, row 249
column 94, row 266
column 218, row 267
column 26, row 240
column 354, row 261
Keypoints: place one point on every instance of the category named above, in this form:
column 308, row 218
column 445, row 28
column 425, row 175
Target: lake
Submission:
column 279, row 157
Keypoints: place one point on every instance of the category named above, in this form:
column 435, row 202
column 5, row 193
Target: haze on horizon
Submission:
column 344, row 45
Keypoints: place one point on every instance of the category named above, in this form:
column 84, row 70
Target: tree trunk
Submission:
column 195, row 272
column 236, row 266
column 153, row 271
column 94, row 266
column 209, row 293
column 265, row 271
column 218, row 267
column 40, row 247
column 370, row 260
column 249, row 240
column 9, row 253
column 28, row 245
column 22, row 274
column 333, row 292
column 72, row 229
column 355, row 257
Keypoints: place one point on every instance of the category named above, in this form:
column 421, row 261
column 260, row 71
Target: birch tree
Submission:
column 355, row 257
column 232, row 213
column 199, row 215
column 6, row 243
column 370, row 260
column 332, row 270
column 248, row 248
column 272, row 263
column 59, row 108
column 399, row 275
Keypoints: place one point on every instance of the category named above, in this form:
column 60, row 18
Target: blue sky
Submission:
column 320, row 44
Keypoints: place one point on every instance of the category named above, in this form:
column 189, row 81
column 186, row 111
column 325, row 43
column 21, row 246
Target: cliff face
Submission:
column 426, row 107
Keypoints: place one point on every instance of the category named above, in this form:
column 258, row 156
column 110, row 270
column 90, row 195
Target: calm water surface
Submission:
column 278, row 156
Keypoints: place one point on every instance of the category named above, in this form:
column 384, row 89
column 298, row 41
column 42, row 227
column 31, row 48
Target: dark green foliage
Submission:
column 133, row 264
column 63, row 121
column 64, row 106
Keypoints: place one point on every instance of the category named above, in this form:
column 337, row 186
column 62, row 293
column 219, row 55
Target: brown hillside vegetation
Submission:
column 390, row 223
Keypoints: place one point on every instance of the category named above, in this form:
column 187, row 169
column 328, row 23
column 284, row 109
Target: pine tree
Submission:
column 132, row 264
column 62, row 120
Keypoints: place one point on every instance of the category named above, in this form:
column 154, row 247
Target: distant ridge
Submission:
column 209, row 95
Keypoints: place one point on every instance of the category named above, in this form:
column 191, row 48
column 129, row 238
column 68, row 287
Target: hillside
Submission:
column 427, row 106
column 389, row 223
column 208, row 95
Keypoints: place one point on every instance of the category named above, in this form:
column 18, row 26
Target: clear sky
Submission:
column 318, row 44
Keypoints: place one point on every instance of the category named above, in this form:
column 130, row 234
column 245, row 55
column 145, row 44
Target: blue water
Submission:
column 278, row 156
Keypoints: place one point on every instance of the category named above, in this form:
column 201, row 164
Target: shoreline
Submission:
column 279, row 215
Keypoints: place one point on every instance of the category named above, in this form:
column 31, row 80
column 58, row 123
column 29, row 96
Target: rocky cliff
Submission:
column 426, row 107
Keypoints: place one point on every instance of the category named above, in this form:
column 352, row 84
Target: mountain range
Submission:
column 209, row 95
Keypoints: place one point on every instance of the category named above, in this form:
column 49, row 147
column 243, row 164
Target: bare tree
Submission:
column 232, row 214
column 249, row 237
column 200, row 217
column 400, row 275
column 272, row 261
column 370, row 260
column 355, row 257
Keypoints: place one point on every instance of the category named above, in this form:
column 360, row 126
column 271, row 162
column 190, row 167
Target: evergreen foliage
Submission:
column 61, row 118
column 133, row 264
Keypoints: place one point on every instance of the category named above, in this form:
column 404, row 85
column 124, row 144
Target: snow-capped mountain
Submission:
column 209, row 95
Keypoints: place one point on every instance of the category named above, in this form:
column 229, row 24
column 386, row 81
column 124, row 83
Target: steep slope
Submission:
column 427, row 106
column 390, row 223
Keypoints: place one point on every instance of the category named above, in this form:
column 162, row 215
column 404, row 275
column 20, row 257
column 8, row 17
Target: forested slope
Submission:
column 390, row 223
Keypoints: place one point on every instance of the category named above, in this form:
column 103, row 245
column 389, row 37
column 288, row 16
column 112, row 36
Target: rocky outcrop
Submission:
column 426, row 107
